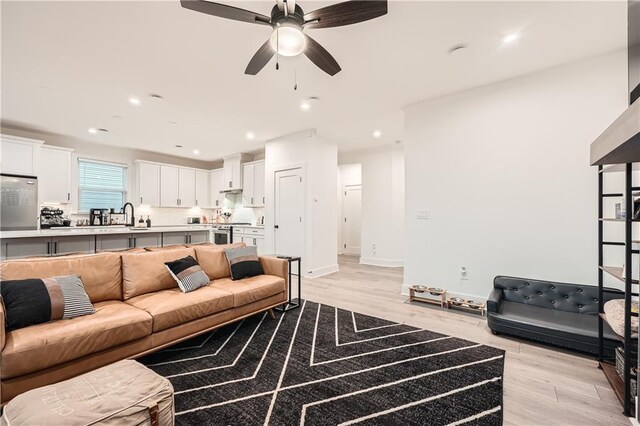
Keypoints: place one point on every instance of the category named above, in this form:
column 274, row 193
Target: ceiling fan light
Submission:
column 288, row 41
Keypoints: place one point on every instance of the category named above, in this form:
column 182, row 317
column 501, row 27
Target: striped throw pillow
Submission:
column 36, row 301
column 243, row 262
column 187, row 273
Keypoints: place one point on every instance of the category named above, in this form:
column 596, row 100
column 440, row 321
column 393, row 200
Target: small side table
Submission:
column 287, row 306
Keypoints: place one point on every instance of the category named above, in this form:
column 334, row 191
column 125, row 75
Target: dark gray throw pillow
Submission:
column 243, row 262
column 35, row 301
column 188, row 273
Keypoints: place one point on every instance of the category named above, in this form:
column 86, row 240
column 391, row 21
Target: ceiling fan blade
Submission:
column 224, row 11
column 346, row 13
column 260, row 59
column 319, row 56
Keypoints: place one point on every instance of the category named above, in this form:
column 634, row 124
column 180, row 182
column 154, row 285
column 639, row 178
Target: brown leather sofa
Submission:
column 139, row 309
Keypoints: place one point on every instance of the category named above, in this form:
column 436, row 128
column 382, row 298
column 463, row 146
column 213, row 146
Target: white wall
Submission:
column 319, row 159
column 348, row 174
column 504, row 172
column 383, row 207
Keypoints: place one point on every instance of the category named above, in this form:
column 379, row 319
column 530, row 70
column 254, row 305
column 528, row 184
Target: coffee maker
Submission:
column 98, row 217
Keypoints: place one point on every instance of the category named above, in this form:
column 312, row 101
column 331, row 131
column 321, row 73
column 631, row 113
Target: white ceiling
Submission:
column 68, row 66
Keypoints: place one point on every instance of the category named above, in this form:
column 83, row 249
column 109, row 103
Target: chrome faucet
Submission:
column 133, row 215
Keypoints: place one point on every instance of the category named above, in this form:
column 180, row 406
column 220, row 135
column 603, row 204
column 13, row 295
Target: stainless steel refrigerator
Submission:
column 18, row 203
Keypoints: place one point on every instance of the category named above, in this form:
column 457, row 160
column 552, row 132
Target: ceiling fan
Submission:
column 288, row 22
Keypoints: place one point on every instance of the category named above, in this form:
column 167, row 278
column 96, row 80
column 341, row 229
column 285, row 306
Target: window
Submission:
column 101, row 185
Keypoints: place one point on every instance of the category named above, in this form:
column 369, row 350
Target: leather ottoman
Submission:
column 122, row 393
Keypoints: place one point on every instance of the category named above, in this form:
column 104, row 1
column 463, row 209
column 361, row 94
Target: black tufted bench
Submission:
column 560, row 314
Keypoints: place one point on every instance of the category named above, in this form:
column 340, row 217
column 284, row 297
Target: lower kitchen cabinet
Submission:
column 257, row 241
column 190, row 237
column 17, row 248
column 126, row 241
column 73, row 244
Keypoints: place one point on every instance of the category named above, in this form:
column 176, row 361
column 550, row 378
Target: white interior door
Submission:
column 352, row 219
column 289, row 213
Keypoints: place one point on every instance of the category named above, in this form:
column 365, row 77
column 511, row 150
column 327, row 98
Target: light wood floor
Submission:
column 542, row 385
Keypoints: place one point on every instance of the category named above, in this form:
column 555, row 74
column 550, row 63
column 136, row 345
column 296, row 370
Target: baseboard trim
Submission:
column 326, row 270
column 387, row 263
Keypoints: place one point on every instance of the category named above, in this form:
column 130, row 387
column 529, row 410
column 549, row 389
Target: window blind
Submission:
column 101, row 185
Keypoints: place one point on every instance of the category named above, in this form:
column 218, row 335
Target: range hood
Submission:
column 620, row 143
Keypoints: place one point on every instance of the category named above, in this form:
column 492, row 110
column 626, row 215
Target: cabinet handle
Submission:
column 254, row 241
column 48, row 248
column 230, row 184
column 251, row 200
column 196, row 203
column 129, row 243
column 135, row 242
column 217, row 203
column 262, row 200
column 140, row 200
column 55, row 247
column 68, row 196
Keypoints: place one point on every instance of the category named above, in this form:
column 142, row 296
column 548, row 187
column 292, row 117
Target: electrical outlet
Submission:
column 422, row 214
column 464, row 273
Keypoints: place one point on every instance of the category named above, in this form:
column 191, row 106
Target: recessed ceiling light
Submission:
column 156, row 97
column 103, row 130
column 196, row 152
column 178, row 146
column 251, row 136
column 510, row 38
column 305, row 106
column 92, row 130
column 134, row 101
column 377, row 134
column 173, row 123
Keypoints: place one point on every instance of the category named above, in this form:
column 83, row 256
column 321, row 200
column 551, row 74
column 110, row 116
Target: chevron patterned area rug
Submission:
column 321, row 365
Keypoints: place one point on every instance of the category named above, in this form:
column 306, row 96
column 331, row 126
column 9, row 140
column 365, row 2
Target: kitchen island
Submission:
column 92, row 239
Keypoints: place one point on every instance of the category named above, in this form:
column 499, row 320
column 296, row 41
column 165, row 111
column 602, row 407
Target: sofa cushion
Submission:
column 188, row 274
column 243, row 262
column 39, row 300
column 561, row 324
column 44, row 345
column 251, row 289
column 101, row 273
column 213, row 260
column 173, row 307
column 144, row 273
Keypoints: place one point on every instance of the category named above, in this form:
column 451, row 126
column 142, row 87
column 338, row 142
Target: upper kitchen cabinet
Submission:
column 54, row 178
column 202, row 189
column 19, row 156
column 232, row 171
column 186, row 187
column 253, row 184
column 169, row 189
column 216, row 178
column 148, row 183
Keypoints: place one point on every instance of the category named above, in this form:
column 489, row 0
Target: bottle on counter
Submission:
column 141, row 222
column 148, row 222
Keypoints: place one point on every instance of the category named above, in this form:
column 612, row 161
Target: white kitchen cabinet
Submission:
column 252, row 236
column 198, row 237
column 258, row 184
column 169, row 190
column 253, row 184
column 19, row 156
column 186, row 187
column 215, row 186
column 54, row 178
column 148, row 184
column 113, row 242
column 144, row 239
column 202, row 189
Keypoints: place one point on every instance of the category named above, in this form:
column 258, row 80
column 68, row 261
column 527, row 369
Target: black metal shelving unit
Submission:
column 621, row 386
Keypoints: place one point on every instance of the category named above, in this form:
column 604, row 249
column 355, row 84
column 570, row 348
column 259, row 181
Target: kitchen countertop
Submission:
column 100, row 230
column 113, row 229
